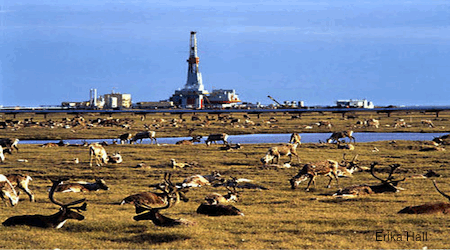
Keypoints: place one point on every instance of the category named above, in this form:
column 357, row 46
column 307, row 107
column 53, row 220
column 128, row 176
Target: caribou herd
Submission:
column 149, row 204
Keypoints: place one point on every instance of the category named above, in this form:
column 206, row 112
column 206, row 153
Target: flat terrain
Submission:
column 276, row 218
column 93, row 126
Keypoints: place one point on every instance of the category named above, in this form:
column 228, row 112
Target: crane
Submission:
column 276, row 101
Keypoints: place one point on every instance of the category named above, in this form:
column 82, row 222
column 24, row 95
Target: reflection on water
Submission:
column 275, row 138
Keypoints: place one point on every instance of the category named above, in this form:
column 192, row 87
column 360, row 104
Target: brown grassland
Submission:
column 276, row 218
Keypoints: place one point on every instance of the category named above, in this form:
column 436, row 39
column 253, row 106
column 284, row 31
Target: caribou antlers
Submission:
column 387, row 185
column 56, row 220
column 172, row 195
column 429, row 208
column 151, row 198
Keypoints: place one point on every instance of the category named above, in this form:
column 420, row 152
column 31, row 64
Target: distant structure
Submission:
column 107, row 101
column 354, row 104
column 194, row 95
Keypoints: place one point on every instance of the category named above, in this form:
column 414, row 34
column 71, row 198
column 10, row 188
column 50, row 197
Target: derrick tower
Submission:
column 194, row 77
column 193, row 93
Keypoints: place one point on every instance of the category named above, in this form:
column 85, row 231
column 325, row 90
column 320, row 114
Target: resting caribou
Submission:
column 218, row 210
column 171, row 194
column 157, row 218
column 76, row 187
column 57, row 220
column 429, row 208
column 387, row 185
column 196, row 138
column 152, row 198
column 216, row 198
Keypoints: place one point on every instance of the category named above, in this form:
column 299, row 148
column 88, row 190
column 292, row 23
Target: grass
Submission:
column 274, row 218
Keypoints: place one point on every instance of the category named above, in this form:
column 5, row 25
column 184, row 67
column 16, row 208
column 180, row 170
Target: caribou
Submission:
column 218, row 210
column 216, row 198
column 10, row 143
column 20, row 181
column 336, row 136
column 196, row 138
column 387, row 185
column 429, row 208
column 157, row 218
column 115, row 158
column 98, row 152
column 144, row 135
column 2, row 153
column 216, row 137
column 125, row 137
column 57, row 220
column 152, row 198
column 295, row 138
column 312, row 170
column 82, row 186
column 7, row 191
column 277, row 151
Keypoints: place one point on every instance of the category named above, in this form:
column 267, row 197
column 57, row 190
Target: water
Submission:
column 274, row 138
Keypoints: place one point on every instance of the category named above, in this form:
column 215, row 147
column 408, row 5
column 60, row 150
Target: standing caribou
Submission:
column 2, row 153
column 336, row 136
column 20, row 181
column 277, row 151
column 312, row 170
column 57, row 220
column 144, row 135
column 216, row 137
column 295, row 138
column 7, row 191
column 10, row 143
column 125, row 137
column 98, row 152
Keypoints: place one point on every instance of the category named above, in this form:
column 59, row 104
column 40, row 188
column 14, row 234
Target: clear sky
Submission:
column 389, row 52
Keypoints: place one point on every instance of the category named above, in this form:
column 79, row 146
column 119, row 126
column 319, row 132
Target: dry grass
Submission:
column 275, row 218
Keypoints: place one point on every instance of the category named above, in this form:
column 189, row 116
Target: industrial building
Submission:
column 107, row 101
column 354, row 104
column 194, row 95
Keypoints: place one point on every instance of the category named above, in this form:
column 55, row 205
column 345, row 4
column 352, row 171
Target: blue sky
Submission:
column 389, row 52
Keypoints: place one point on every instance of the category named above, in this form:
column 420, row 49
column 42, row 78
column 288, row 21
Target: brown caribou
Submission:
column 387, row 185
column 429, row 208
column 57, row 220
column 277, row 151
column 336, row 136
column 155, row 199
column 312, row 170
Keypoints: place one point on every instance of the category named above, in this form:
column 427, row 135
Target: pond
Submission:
column 274, row 138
